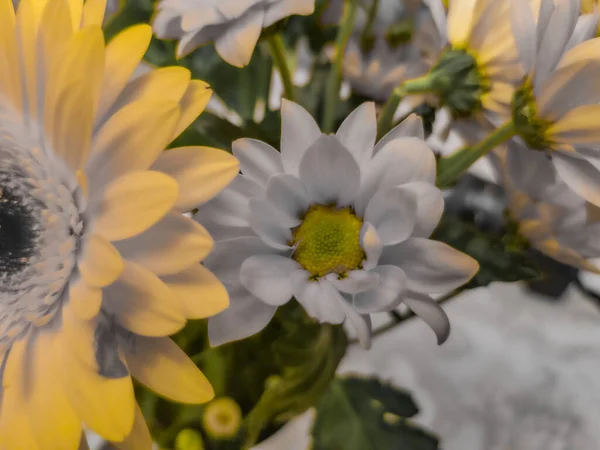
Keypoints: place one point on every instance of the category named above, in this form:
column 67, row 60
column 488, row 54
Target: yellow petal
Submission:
column 578, row 126
column 76, row 7
column 139, row 438
column 10, row 76
column 53, row 419
column 199, row 291
column 142, row 303
column 28, row 16
column 73, row 120
column 123, row 54
column 101, row 263
column 133, row 203
column 15, row 428
column 85, row 300
column 170, row 246
column 202, row 173
column 93, row 12
column 131, row 140
column 162, row 366
column 460, row 20
column 85, row 50
column 192, row 104
column 106, row 405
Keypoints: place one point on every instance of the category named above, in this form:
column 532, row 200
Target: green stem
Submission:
column 367, row 34
column 452, row 167
column 334, row 80
column 419, row 85
column 277, row 49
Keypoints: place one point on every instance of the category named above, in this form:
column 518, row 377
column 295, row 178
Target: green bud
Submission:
column 459, row 83
column 400, row 33
column 222, row 418
column 189, row 439
column 530, row 127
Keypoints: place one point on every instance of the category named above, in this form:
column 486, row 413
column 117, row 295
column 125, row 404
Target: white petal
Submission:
column 245, row 316
column 329, row 172
column 170, row 246
column 412, row 126
column 287, row 193
column 529, row 170
column 283, row 8
column 361, row 324
column 319, row 298
column 586, row 28
column 270, row 224
column 355, row 281
column 371, row 245
column 524, row 30
column 227, row 257
column 388, row 293
column 237, row 44
column 392, row 211
column 298, row 132
column 580, row 175
column 268, row 277
column 430, row 206
column 401, row 161
column 430, row 266
column 258, row 160
column 359, row 131
column 432, row 314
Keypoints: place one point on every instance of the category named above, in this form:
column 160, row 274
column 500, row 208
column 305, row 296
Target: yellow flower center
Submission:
column 328, row 241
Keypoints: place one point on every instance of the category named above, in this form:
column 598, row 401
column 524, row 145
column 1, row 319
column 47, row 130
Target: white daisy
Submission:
column 337, row 222
column 555, row 111
column 557, row 222
column 233, row 25
column 97, row 263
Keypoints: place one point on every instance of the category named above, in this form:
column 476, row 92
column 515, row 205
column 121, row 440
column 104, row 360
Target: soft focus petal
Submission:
column 287, row 193
column 361, row 324
column 101, row 263
column 237, row 44
column 354, row 281
column 580, row 175
column 371, row 245
column 258, row 161
column 140, row 437
column 430, row 206
column 412, row 126
column 319, row 298
column 359, row 131
column 392, row 211
column 85, row 300
column 270, row 224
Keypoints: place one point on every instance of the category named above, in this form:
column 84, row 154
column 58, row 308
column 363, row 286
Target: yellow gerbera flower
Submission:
column 97, row 262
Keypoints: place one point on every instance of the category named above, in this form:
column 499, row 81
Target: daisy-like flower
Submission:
column 474, row 52
column 555, row 109
column 233, row 25
column 97, row 263
column 557, row 222
column 337, row 222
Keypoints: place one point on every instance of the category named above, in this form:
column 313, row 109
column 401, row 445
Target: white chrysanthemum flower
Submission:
column 474, row 40
column 555, row 111
column 557, row 222
column 97, row 263
column 233, row 25
column 337, row 222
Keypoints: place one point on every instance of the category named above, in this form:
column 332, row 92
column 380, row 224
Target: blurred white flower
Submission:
column 555, row 110
column 233, row 25
column 335, row 221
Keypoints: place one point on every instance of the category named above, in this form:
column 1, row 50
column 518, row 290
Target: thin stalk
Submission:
column 334, row 81
column 367, row 33
column 419, row 85
column 277, row 49
column 452, row 167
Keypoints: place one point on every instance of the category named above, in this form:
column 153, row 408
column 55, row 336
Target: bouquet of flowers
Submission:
column 203, row 203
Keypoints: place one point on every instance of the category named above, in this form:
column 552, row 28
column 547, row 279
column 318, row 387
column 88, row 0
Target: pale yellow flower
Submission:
column 102, row 264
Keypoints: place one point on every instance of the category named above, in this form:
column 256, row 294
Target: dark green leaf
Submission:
column 366, row 414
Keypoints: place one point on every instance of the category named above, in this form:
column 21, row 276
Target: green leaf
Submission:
column 366, row 414
column 501, row 256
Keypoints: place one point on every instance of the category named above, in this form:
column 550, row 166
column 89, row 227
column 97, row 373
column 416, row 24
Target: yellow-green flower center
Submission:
column 222, row 418
column 532, row 128
column 328, row 241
